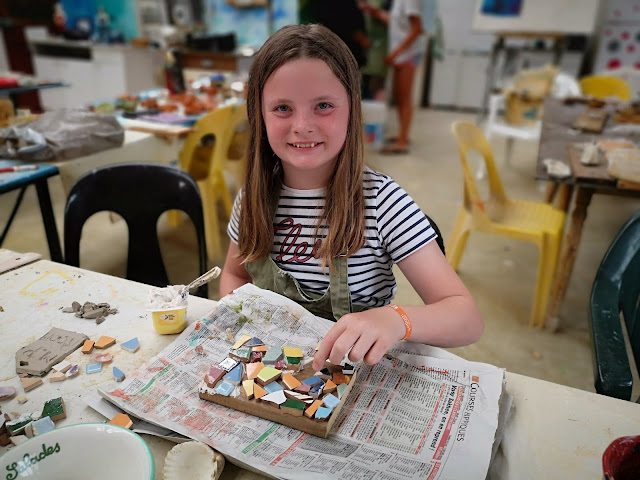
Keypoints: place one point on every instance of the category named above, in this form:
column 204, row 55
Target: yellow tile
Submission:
column 292, row 352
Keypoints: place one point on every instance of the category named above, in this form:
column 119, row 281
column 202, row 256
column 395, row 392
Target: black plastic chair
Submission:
column 615, row 293
column 140, row 193
column 440, row 239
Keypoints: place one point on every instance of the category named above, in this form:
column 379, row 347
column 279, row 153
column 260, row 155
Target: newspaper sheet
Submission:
column 412, row 415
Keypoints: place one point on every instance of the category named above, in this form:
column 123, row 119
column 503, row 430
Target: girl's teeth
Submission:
column 304, row 145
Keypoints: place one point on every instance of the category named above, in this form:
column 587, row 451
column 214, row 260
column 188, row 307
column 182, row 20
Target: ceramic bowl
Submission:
column 91, row 450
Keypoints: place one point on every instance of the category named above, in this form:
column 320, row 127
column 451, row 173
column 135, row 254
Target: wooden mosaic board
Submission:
column 272, row 412
column 592, row 120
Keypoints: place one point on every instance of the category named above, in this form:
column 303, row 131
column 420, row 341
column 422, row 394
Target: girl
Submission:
column 314, row 224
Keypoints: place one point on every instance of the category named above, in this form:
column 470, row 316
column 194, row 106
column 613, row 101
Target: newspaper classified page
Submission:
column 410, row 416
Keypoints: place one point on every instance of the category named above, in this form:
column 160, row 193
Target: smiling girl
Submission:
column 314, row 224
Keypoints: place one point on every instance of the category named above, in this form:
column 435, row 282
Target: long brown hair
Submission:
column 344, row 205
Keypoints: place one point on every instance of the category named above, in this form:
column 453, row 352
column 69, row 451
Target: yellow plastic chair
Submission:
column 602, row 86
column 534, row 222
column 204, row 156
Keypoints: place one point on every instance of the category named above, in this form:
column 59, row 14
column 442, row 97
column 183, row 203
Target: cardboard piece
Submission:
column 592, row 120
column 10, row 260
column 38, row 357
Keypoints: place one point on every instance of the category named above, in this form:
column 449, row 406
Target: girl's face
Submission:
column 306, row 113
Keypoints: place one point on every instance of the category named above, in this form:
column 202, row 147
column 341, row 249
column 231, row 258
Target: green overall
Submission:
column 332, row 305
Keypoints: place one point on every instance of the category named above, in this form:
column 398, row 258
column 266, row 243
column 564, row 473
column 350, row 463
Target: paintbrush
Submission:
column 201, row 280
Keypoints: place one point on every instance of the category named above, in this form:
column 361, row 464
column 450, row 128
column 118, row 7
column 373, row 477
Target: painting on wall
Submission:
column 502, row 8
column 252, row 26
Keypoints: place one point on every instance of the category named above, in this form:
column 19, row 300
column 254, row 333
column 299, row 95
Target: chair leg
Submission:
column 509, row 150
column 546, row 272
column 458, row 238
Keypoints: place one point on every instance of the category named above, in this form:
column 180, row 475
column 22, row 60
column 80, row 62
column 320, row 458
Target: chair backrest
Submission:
column 206, row 148
column 139, row 193
column 471, row 138
column 440, row 239
column 602, row 86
column 615, row 292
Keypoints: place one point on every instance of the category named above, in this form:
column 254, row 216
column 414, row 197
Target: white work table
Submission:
column 555, row 431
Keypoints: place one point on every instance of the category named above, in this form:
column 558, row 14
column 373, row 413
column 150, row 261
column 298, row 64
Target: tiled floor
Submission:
column 499, row 272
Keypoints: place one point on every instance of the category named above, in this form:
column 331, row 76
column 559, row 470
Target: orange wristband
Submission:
column 405, row 319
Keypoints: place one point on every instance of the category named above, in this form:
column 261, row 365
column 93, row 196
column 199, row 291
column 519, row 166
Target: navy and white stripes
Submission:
column 395, row 227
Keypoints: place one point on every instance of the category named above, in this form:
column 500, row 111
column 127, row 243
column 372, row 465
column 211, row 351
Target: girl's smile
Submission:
column 306, row 115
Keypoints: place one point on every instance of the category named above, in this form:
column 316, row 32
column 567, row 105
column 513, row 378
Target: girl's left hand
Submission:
column 369, row 335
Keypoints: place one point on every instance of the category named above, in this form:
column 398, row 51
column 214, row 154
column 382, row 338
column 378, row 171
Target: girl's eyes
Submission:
column 282, row 108
column 286, row 108
column 324, row 105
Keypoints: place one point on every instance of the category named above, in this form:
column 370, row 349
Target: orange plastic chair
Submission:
column 534, row 222
column 204, row 156
column 602, row 86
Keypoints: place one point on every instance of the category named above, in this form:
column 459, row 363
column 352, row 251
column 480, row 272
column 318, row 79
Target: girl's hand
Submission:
column 369, row 335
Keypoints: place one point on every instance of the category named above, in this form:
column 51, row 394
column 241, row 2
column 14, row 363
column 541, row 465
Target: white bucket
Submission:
column 374, row 116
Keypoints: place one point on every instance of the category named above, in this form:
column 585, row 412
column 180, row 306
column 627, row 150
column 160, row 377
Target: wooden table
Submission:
column 578, row 189
column 555, row 431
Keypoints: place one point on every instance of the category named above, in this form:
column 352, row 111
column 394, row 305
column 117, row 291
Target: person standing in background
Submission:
column 407, row 46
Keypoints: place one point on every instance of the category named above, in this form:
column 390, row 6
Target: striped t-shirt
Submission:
column 395, row 227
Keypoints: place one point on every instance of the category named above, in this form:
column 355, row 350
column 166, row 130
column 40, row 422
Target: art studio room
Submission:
column 158, row 320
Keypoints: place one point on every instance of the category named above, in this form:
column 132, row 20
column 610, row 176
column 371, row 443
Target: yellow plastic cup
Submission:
column 169, row 320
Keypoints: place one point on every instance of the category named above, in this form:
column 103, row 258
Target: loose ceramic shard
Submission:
column 94, row 367
column 341, row 389
column 280, row 364
column 329, row 387
column 316, row 390
column 54, row 408
column 273, row 387
column 290, row 381
column 42, row 425
column 253, row 369
column 303, row 388
column 276, row 397
column 254, row 342
column 17, row 426
column 268, row 375
column 121, row 420
column 101, row 357
column 311, row 381
column 259, row 348
column 224, row 388
column 234, row 376
column 292, row 352
column 348, row 369
column 57, row 377
column 118, row 374
column 131, row 345
column 322, row 413
column 339, row 378
column 247, row 387
column 241, row 341
column 63, row 366
column 7, row 392
column 228, row 364
column 331, row 401
column 22, row 399
column 311, row 410
column 258, row 391
column 214, row 375
column 293, row 361
column 105, row 342
column 241, row 354
column 256, row 357
column 293, row 407
column 87, row 347
column 272, row 356
column 73, row 371
column 29, row 383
